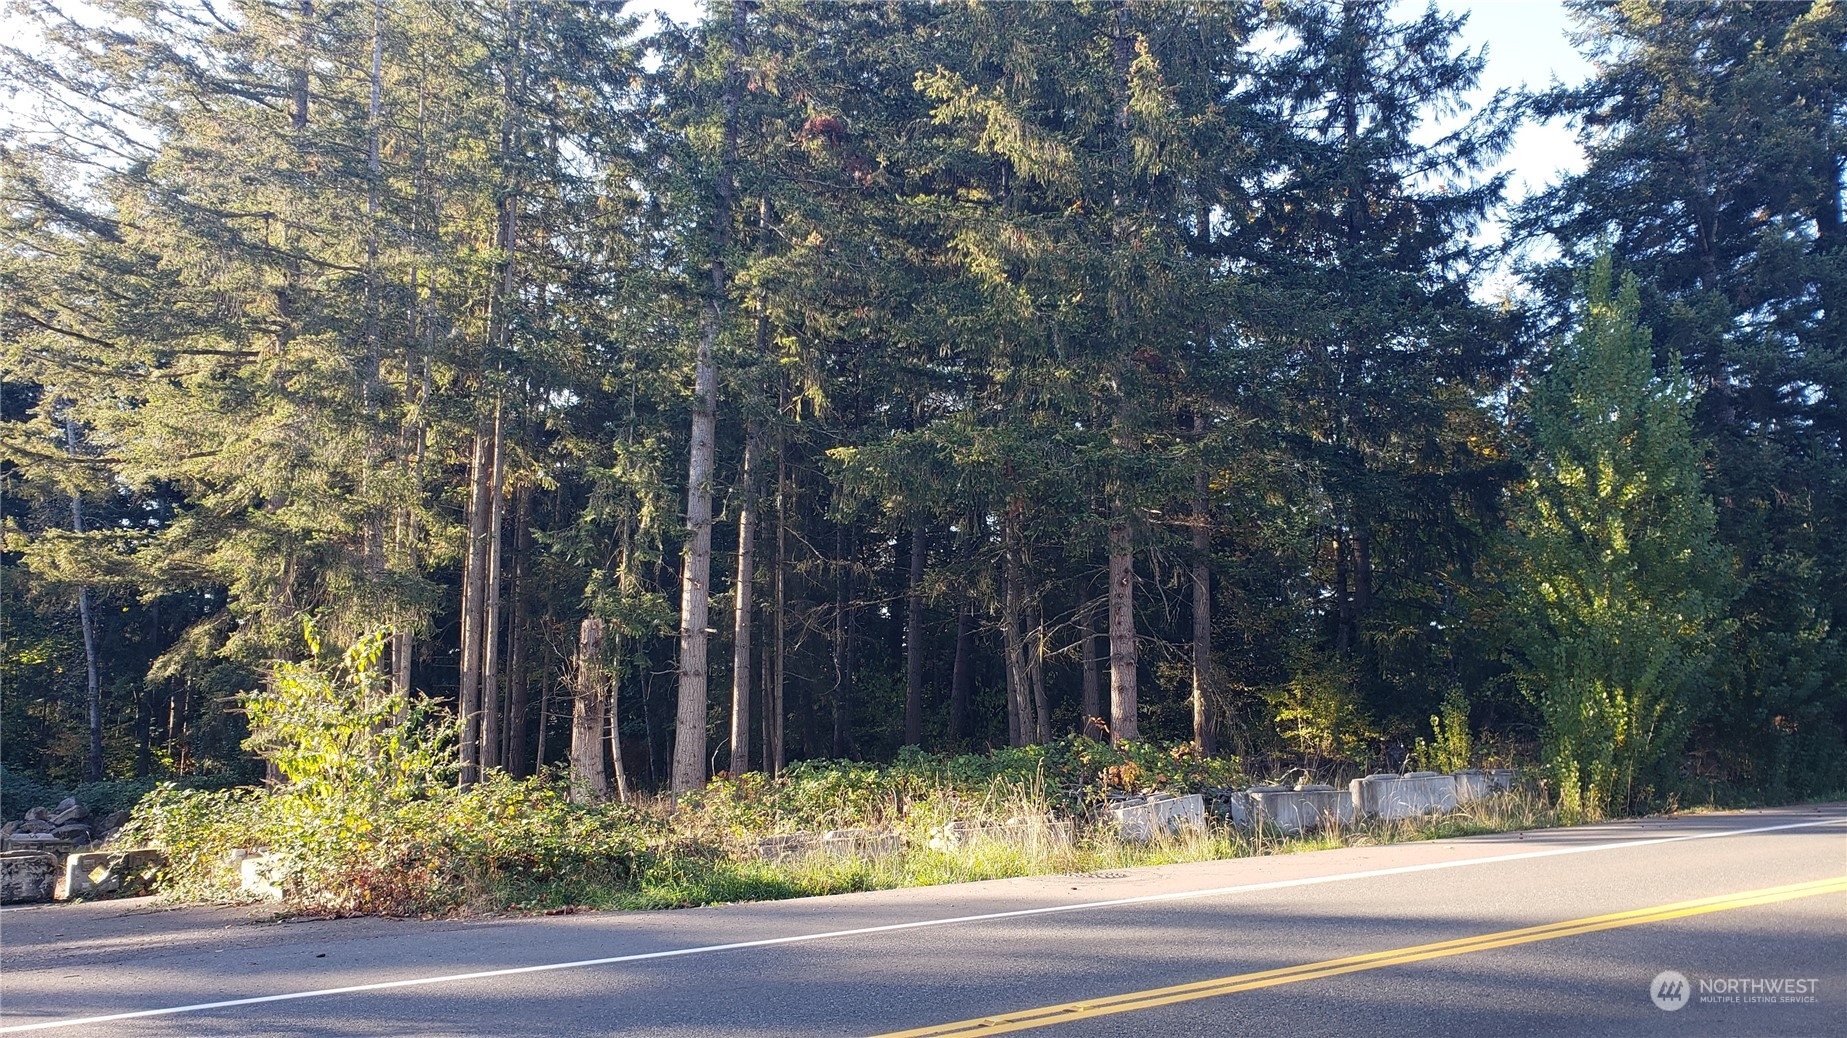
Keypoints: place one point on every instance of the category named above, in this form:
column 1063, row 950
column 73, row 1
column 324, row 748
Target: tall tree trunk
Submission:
column 1362, row 576
column 490, row 638
column 1021, row 725
column 1122, row 649
column 773, row 710
column 843, row 642
column 588, row 783
column 961, row 674
column 176, row 724
column 1035, row 667
column 1203, row 732
column 745, row 591
column 93, row 689
column 518, row 638
column 913, row 635
column 689, row 754
column 369, row 385
column 1093, row 723
column 492, row 604
column 468, row 678
column 1123, row 708
column 614, row 699
column 1343, row 597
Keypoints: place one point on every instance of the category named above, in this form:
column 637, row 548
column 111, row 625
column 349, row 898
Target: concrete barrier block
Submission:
column 41, row 843
column 861, row 843
column 1482, row 783
column 124, row 873
column 1403, row 796
column 27, row 876
column 1031, row 833
column 1300, row 809
column 256, row 876
column 785, row 845
column 1159, row 816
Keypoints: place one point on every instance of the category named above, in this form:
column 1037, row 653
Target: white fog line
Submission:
column 768, row 942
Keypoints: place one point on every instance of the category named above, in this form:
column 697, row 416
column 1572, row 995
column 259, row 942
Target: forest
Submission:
column 817, row 380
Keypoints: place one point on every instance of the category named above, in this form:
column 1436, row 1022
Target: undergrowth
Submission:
column 369, row 819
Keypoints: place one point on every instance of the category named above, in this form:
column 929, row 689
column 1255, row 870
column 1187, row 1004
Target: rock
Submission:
column 115, row 819
column 67, row 815
column 8, row 829
column 27, row 876
column 76, row 833
column 35, row 825
column 38, row 814
column 67, row 802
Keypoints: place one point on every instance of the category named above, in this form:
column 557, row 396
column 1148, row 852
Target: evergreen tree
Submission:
column 1618, row 588
column 1716, row 147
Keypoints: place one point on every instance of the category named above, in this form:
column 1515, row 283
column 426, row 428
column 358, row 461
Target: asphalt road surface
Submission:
column 1736, row 923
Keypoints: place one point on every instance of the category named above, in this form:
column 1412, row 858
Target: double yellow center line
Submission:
column 1046, row 1016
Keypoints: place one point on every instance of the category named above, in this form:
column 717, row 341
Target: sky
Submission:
column 1527, row 45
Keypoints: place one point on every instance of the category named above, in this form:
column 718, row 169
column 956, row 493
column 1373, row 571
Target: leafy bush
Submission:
column 20, row 792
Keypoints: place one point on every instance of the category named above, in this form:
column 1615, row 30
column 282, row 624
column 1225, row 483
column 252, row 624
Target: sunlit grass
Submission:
column 1033, row 848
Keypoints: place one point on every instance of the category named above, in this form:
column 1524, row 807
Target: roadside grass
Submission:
column 688, row 881
column 507, row 845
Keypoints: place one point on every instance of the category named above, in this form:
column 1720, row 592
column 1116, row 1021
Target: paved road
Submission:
column 1559, row 932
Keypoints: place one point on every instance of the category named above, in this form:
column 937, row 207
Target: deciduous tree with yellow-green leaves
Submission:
column 1619, row 587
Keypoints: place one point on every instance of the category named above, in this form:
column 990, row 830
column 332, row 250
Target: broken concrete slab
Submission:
column 123, row 873
column 27, row 876
column 45, row 843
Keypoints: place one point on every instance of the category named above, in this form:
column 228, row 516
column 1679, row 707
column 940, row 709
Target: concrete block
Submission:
column 1482, row 783
column 1403, row 796
column 786, row 845
column 861, row 843
column 1238, row 805
column 1031, row 833
column 1302, row 808
column 256, row 876
column 1160, row 815
column 27, row 876
column 123, row 873
column 43, row 843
